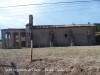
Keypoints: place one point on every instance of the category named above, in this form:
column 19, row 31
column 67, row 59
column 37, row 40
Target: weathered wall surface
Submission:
column 0, row 44
column 84, row 35
column 81, row 36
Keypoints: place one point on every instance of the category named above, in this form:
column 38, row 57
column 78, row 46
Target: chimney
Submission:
column 31, row 19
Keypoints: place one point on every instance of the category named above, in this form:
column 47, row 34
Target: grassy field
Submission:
column 84, row 60
column 75, row 52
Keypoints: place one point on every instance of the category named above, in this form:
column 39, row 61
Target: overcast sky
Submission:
column 17, row 17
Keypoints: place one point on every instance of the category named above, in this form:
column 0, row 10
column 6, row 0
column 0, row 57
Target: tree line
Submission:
column 97, row 27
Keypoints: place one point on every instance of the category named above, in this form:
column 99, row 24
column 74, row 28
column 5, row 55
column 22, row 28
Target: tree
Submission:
column 88, row 22
column 97, row 26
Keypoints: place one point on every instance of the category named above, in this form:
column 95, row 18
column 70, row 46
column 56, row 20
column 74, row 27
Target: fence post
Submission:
column 31, row 49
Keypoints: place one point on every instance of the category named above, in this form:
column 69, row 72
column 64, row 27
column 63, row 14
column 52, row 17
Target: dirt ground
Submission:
column 76, row 60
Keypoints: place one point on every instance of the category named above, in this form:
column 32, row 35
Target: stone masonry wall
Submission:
column 61, row 36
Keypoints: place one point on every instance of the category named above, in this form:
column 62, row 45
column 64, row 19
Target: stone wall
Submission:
column 0, row 45
column 9, row 37
column 84, row 35
column 46, row 36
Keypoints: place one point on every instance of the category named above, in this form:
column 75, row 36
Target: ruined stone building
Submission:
column 48, row 35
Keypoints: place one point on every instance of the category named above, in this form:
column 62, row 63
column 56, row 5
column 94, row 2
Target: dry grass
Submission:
column 78, row 60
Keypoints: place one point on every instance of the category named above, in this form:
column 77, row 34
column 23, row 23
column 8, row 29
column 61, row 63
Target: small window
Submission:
column 65, row 35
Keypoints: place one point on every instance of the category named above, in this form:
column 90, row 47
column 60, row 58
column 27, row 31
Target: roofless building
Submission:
column 48, row 35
